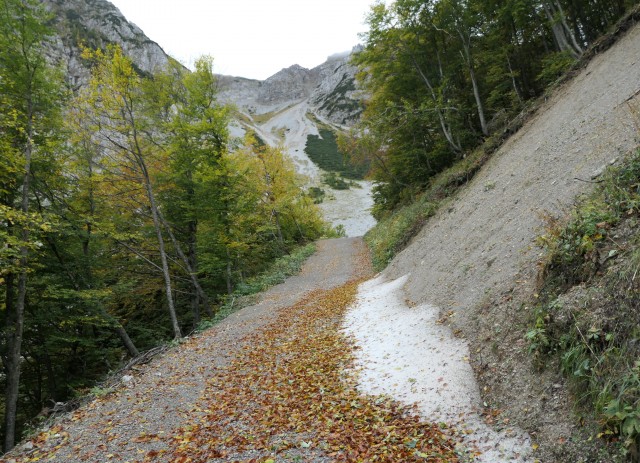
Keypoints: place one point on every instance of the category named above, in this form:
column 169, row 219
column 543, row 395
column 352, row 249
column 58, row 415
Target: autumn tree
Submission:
column 114, row 104
column 192, row 129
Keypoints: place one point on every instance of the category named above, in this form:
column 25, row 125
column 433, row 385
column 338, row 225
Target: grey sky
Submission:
column 250, row 38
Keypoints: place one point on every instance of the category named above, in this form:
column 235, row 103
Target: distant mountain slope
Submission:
column 282, row 110
column 330, row 89
column 288, row 107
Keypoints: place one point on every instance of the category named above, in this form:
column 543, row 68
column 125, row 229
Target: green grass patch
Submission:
column 316, row 194
column 323, row 151
column 587, row 319
column 394, row 230
column 277, row 273
column 336, row 182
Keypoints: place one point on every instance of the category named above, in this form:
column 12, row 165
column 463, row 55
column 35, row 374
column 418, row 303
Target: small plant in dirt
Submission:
column 335, row 181
column 588, row 314
column 98, row 391
column 316, row 194
column 394, row 232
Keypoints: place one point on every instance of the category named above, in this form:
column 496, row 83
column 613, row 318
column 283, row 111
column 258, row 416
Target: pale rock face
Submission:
column 97, row 23
column 336, row 97
column 290, row 84
column 330, row 90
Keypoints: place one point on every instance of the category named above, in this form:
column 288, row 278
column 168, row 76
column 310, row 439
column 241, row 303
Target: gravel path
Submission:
column 162, row 396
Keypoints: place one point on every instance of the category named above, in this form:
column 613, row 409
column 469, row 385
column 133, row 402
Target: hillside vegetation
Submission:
column 445, row 75
column 577, row 319
column 587, row 317
column 125, row 217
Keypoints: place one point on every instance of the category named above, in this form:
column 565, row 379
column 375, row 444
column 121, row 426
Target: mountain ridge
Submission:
column 98, row 23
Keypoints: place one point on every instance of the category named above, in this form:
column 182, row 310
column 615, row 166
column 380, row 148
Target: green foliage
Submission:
column 31, row 98
column 589, row 311
column 323, row 150
column 316, row 194
column 277, row 273
column 99, row 392
column 392, row 233
column 554, row 66
column 441, row 77
column 336, row 182
column 394, row 230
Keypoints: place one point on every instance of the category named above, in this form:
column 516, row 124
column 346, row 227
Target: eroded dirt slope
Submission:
column 478, row 256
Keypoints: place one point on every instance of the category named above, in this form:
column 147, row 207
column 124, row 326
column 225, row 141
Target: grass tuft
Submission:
column 277, row 273
column 588, row 316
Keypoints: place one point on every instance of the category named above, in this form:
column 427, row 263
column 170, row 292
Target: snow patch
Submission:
column 404, row 353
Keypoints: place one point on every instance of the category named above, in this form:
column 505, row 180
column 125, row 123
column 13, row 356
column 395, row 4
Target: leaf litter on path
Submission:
column 288, row 398
column 273, row 384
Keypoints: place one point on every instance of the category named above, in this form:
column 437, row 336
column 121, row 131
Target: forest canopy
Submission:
column 443, row 75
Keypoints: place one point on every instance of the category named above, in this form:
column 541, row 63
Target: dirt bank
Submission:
column 476, row 260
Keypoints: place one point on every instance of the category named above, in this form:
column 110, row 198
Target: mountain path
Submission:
column 154, row 401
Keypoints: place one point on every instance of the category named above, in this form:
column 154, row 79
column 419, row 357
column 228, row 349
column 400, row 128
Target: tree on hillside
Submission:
column 440, row 75
column 31, row 94
column 193, row 127
column 114, row 104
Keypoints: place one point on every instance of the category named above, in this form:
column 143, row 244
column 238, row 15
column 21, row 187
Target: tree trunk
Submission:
column 126, row 340
column 474, row 83
column 86, row 243
column 446, row 130
column 192, row 260
column 568, row 30
column 228, row 274
column 513, row 79
column 563, row 36
column 155, row 213
column 276, row 215
column 15, row 321
column 200, row 294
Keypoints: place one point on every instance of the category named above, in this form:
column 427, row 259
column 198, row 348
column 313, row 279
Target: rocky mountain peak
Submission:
column 329, row 88
column 96, row 24
column 292, row 83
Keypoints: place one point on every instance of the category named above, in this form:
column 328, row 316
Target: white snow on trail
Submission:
column 406, row 354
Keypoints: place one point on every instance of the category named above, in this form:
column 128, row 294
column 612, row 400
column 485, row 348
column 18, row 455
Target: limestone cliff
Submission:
column 96, row 24
column 329, row 89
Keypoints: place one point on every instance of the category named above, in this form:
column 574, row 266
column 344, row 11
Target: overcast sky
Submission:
column 250, row 38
